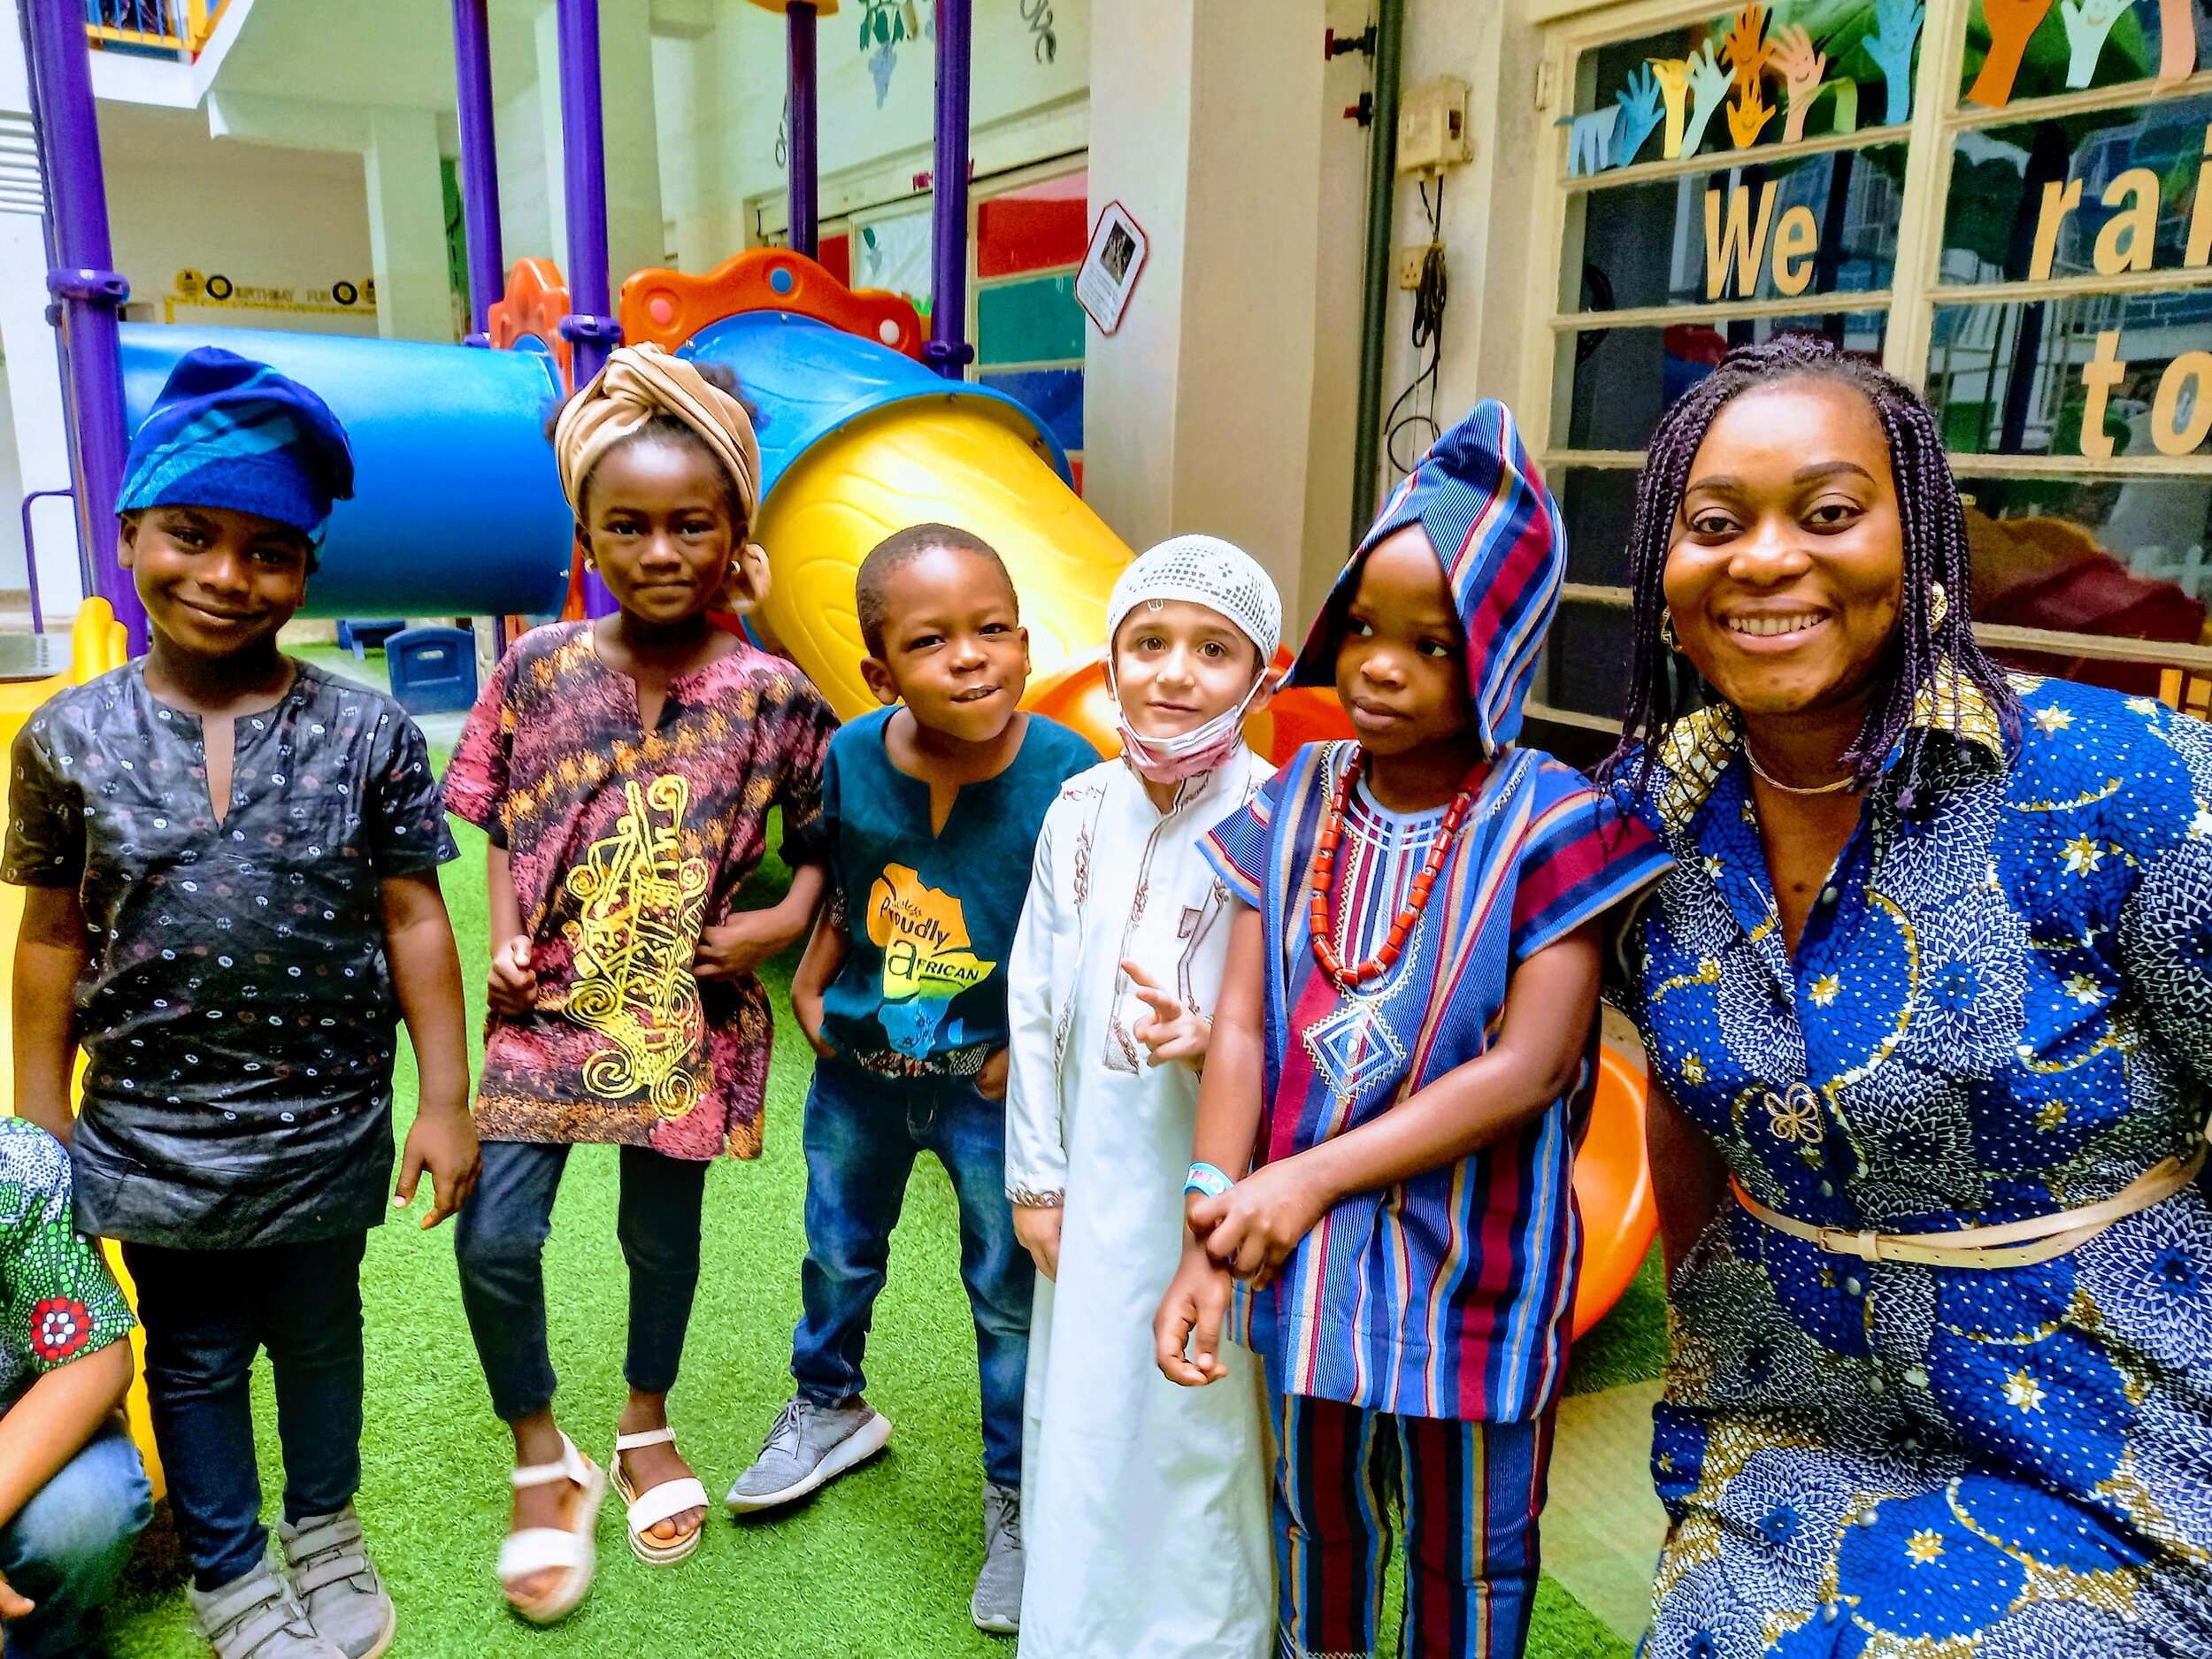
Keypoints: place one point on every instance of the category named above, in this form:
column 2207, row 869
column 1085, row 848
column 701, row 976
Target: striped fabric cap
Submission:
column 1497, row 532
column 228, row 431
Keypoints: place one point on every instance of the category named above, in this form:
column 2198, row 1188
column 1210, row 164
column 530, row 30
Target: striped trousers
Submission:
column 1470, row 1495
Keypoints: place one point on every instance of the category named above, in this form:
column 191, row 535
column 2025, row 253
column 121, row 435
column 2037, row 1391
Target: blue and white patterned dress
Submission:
column 2002, row 1006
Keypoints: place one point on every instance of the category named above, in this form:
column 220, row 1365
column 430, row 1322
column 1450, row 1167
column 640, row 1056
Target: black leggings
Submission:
column 500, row 1245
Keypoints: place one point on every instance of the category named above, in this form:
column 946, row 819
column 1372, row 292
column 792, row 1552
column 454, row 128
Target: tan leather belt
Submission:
column 2011, row 1244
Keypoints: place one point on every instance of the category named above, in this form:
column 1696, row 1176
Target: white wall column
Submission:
column 35, row 407
column 635, row 239
column 548, row 39
column 1198, row 410
column 407, row 247
column 41, row 423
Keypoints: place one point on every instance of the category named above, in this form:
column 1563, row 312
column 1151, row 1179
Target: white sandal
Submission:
column 657, row 1505
column 573, row 1550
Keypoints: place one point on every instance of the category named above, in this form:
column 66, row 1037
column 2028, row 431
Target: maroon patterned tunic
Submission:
column 625, row 845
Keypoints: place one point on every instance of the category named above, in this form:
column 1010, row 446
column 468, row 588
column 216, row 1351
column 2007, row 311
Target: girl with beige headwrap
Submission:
column 644, row 391
column 624, row 770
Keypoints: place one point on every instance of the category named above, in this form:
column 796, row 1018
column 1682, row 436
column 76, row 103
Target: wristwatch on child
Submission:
column 1206, row 1179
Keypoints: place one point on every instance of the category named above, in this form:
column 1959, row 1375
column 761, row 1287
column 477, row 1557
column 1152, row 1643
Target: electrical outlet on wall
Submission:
column 1409, row 263
column 1433, row 126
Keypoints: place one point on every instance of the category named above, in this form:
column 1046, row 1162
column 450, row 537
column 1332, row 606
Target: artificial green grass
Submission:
column 879, row 1564
column 1630, row 1344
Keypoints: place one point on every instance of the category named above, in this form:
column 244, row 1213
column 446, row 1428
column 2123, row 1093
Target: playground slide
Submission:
column 856, row 441
column 458, row 512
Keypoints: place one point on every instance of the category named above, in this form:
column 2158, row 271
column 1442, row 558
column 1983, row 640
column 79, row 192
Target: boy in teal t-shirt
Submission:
column 931, row 809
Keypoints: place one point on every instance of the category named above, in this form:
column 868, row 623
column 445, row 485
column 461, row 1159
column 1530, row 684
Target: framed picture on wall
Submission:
column 1110, row 267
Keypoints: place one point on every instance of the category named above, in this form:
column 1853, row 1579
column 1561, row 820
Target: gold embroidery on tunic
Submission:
column 643, row 902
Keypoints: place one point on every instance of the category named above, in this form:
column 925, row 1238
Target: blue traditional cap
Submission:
column 1497, row 532
column 228, row 431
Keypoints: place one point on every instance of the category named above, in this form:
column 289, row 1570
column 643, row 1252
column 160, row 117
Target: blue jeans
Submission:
column 863, row 1134
column 499, row 1244
column 206, row 1312
column 66, row 1549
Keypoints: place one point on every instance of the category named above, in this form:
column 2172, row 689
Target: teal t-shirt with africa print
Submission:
column 931, row 916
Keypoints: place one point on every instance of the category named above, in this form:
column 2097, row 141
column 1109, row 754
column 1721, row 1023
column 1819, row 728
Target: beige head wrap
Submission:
column 638, row 383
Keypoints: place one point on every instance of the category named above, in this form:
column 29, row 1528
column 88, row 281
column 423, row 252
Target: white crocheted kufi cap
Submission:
column 1203, row 569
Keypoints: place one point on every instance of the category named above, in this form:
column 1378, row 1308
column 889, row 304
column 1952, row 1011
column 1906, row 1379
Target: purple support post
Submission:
column 87, row 290
column 947, row 350
column 590, row 333
column 480, row 166
column 806, row 200
column 30, row 553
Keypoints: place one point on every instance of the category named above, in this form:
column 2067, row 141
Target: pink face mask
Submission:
column 1200, row 749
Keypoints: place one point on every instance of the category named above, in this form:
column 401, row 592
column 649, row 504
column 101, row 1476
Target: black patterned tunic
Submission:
column 236, row 1011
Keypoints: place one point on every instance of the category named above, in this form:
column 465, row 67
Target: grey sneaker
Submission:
column 258, row 1618
column 334, row 1580
column 996, row 1605
column 810, row 1447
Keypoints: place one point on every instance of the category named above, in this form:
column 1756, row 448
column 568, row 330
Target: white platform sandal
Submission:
column 657, row 1505
column 573, row 1551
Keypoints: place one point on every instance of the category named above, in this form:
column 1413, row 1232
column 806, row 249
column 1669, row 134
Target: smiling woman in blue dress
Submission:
column 1929, row 1002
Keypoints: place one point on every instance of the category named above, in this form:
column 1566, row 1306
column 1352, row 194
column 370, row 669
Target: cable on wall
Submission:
column 1411, row 423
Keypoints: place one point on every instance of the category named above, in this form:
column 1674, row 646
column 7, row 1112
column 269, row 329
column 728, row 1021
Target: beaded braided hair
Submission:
column 1933, row 523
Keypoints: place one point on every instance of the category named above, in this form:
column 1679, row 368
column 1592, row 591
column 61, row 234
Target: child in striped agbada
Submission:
column 1398, row 1069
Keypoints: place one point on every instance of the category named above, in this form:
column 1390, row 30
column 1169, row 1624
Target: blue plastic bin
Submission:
column 434, row 670
column 361, row 638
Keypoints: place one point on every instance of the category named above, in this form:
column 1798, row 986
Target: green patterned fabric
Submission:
column 58, row 1300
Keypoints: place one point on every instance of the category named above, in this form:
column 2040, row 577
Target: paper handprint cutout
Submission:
column 2087, row 23
column 1590, row 142
column 2011, row 23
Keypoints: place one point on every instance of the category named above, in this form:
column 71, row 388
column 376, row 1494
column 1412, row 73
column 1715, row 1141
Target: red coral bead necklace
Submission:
column 1318, row 921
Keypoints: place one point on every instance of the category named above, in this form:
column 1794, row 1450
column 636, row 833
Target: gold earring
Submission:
column 1939, row 606
column 1666, row 629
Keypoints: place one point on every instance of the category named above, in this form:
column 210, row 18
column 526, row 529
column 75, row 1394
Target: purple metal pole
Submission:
column 806, row 202
column 30, row 554
column 480, row 166
column 947, row 350
column 590, row 333
column 87, row 291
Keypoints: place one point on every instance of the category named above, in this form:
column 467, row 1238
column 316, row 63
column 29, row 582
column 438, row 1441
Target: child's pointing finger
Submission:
column 1166, row 1008
column 1147, row 988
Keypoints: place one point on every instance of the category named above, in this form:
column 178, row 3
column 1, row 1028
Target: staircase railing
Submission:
column 163, row 26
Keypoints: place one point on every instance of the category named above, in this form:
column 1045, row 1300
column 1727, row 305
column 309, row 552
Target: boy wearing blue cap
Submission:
column 231, row 860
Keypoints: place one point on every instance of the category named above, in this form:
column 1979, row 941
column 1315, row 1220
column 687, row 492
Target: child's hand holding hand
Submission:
column 733, row 947
column 1038, row 1228
column 990, row 1082
column 1191, row 1316
column 1251, row 1229
column 514, row 983
column 1171, row 1031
